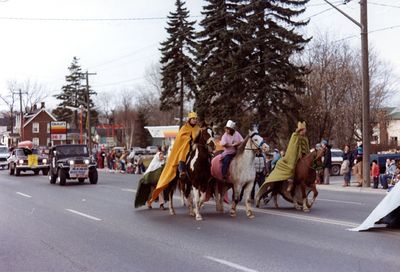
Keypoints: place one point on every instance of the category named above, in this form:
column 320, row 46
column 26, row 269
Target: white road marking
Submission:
column 236, row 266
column 84, row 215
column 340, row 201
column 129, row 190
column 22, row 194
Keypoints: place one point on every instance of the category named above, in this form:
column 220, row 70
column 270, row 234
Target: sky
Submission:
column 39, row 38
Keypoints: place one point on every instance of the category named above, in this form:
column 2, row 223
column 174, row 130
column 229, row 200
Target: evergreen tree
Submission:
column 272, row 77
column 74, row 94
column 177, row 65
column 221, row 93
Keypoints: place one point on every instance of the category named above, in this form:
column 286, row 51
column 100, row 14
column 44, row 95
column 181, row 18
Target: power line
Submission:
column 383, row 5
column 89, row 19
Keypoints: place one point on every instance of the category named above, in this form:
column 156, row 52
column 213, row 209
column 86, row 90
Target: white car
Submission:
column 151, row 149
column 4, row 155
column 337, row 159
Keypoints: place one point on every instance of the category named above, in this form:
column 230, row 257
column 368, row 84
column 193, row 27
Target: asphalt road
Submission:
column 77, row 227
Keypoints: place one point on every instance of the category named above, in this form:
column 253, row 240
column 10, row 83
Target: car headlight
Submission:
column 21, row 161
column 87, row 162
column 71, row 162
column 44, row 161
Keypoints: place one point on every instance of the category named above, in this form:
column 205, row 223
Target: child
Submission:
column 375, row 173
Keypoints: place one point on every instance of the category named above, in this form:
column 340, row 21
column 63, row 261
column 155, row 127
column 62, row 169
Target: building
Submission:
column 36, row 126
column 163, row 135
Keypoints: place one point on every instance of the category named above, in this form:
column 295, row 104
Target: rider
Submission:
column 298, row 147
column 177, row 157
column 230, row 141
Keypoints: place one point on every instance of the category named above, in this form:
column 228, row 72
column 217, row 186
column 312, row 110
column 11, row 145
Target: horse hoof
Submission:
column 199, row 218
column 172, row 212
column 233, row 214
column 306, row 210
column 250, row 215
column 297, row 208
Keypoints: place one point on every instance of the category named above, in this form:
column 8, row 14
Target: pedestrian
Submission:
column 357, row 168
column 327, row 161
column 375, row 173
column 347, row 165
column 275, row 158
column 389, row 173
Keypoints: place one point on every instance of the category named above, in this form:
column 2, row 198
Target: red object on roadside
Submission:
column 25, row 144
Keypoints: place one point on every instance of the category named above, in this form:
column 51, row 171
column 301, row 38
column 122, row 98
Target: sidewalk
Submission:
column 336, row 182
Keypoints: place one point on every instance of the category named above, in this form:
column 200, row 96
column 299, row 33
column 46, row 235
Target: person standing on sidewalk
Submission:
column 327, row 161
column 375, row 173
column 358, row 171
column 347, row 156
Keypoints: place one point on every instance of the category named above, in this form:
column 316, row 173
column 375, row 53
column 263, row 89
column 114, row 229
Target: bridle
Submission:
column 208, row 142
column 258, row 147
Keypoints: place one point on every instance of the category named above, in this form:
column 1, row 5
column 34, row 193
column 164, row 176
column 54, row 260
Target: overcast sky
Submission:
column 40, row 49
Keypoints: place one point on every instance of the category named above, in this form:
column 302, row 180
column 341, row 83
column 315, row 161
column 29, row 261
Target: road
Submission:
column 77, row 227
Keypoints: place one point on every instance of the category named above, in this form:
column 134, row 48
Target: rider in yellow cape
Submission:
column 177, row 157
column 285, row 167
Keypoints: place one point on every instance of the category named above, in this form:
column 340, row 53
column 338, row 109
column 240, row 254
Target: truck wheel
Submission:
column 93, row 176
column 17, row 172
column 36, row 172
column 62, row 176
column 45, row 172
column 10, row 170
column 81, row 180
column 52, row 178
column 335, row 171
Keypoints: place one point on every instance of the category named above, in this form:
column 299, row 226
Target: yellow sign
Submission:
column 33, row 160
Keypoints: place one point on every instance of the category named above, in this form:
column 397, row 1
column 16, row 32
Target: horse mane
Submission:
column 242, row 146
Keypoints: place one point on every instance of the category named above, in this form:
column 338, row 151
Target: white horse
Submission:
column 242, row 172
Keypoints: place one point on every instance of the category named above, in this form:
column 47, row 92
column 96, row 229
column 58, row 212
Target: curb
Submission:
column 351, row 189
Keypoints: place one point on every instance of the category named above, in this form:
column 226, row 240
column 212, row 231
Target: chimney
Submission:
column 42, row 105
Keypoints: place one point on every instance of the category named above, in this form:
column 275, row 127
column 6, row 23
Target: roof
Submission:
column 162, row 131
column 36, row 114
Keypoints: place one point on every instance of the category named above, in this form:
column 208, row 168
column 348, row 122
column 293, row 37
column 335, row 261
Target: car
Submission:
column 337, row 159
column 139, row 150
column 152, row 149
column 72, row 161
column 4, row 155
column 26, row 158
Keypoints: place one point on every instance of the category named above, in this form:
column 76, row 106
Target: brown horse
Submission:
column 196, row 182
column 304, row 183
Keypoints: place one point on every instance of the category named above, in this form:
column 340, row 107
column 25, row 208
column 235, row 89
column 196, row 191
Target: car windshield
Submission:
column 73, row 150
column 3, row 149
column 337, row 154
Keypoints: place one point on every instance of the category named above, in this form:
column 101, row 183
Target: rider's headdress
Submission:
column 230, row 124
column 301, row 125
column 192, row 115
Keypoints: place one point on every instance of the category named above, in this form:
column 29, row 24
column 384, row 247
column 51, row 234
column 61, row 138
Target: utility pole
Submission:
column 87, row 74
column 21, row 114
column 366, row 137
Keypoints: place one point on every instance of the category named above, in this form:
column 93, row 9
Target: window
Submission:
column 35, row 127
column 48, row 127
column 35, row 141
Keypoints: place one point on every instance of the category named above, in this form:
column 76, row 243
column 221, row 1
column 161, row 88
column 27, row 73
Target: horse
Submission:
column 241, row 173
column 195, row 183
column 304, row 183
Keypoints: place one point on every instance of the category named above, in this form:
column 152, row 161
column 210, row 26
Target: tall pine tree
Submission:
column 177, row 65
column 74, row 94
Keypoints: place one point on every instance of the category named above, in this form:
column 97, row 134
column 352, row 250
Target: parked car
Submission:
column 4, row 155
column 139, row 150
column 25, row 158
column 337, row 159
column 151, row 149
column 72, row 162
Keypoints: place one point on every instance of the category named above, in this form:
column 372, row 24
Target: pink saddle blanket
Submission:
column 216, row 167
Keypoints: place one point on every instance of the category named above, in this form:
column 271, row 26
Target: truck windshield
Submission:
column 71, row 151
column 3, row 149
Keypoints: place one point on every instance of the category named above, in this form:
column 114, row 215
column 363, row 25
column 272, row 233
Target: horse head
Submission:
column 206, row 137
column 257, row 141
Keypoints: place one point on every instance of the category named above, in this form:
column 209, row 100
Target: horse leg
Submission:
column 296, row 205
column 221, row 191
column 196, row 193
column 170, row 204
column 235, row 199
column 315, row 194
column 190, row 204
column 247, row 192
column 304, row 196
column 276, row 200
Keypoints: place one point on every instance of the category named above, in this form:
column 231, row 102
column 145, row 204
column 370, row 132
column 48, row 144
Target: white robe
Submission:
column 155, row 163
column 386, row 206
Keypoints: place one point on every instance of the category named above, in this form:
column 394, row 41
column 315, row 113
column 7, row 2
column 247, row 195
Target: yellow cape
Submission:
column 179, row 151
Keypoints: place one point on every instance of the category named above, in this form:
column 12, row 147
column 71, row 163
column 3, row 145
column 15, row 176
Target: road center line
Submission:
column 22, row 194
column 84, row 215
column 236, row 266
column 340, row 201
column 129, row 190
